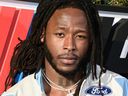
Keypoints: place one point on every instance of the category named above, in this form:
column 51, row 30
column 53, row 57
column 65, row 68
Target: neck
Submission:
column 53, row 89
column 55, row 86
column 61, row 80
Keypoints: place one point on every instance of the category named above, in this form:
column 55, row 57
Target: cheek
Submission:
column 83, row 47
column 53, row 46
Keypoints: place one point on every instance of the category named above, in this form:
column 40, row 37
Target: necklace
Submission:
column 57, row 87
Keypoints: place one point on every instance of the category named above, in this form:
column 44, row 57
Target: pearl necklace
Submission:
column 55, row 86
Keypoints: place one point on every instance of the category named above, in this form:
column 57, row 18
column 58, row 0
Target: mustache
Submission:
column 68, row 56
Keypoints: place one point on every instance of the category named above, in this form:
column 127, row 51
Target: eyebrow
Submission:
column 62, row 27
column 77, row 28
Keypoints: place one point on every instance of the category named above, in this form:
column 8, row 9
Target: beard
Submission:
column 80, row 68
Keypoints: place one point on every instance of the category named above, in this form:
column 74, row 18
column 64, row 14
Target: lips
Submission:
column 68, row 59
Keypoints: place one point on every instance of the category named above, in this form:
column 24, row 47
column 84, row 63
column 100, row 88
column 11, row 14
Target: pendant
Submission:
column 70, row 94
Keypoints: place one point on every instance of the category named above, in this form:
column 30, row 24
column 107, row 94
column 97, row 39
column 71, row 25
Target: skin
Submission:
column 67, row 39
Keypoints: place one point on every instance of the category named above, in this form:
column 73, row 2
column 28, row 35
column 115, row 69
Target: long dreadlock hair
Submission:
column 29, row 54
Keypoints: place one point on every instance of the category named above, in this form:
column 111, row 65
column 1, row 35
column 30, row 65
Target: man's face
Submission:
column 67, row 39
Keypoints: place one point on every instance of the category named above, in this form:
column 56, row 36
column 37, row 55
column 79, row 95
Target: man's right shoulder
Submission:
column 21, row 83
column 26, row 87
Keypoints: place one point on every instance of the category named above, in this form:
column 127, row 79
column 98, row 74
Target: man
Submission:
column 61, row 54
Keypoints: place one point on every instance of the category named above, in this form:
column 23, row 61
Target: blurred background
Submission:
column 15, row 20
column 111, row 2
column 99, row 2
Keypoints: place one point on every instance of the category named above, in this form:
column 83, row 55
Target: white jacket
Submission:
column 112, row 85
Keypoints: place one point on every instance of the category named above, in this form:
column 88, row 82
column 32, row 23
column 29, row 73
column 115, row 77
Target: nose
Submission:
column 69, row 43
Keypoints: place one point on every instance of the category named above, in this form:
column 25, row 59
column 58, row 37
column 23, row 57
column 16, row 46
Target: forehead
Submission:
column 67, row 15
column 69, row 10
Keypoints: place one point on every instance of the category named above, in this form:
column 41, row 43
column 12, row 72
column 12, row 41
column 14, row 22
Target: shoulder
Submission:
column 110, row 76
column 23, row 88
column 118, row 79
column 114, row 80
column 23, row 83
column 111, row 83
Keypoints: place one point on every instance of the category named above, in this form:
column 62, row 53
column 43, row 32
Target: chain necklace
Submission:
column 57, row 87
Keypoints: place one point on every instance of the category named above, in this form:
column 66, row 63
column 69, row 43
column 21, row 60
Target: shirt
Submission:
column 112, row 84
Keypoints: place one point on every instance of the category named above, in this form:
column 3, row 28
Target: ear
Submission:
column 42, row 36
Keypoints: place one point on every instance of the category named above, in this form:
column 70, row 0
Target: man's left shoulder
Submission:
column 115, row 75
column 112, row 84
column 121, row 80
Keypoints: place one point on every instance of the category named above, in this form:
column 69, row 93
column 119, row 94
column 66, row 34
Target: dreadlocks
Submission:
column 28, row 56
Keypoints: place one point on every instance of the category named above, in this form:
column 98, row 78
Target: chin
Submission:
column 67, row 71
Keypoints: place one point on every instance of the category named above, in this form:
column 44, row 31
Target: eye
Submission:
column 81, row 37
column 59, row 35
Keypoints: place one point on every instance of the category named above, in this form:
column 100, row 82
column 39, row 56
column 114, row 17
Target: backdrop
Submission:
column 15, row 20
